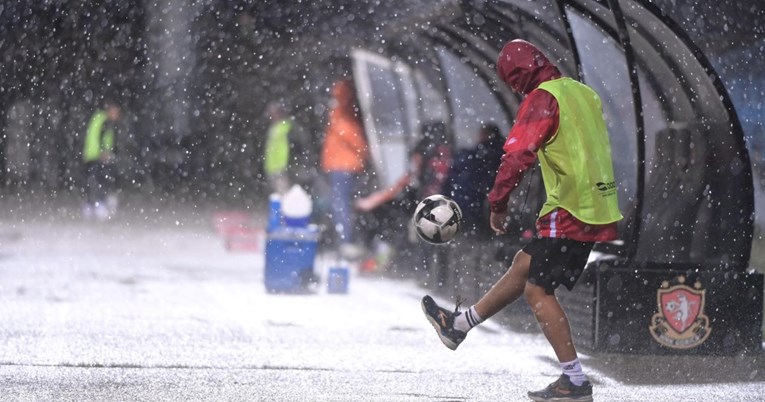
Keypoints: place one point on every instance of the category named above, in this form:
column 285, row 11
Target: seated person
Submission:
column 428, row 168
column 471, row 177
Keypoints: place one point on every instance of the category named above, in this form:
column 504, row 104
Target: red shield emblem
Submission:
column 680, row 322
column 680, row 306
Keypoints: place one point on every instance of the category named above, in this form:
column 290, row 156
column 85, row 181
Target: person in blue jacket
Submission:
column 472, row 174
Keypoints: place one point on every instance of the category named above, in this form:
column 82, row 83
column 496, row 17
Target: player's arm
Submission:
column 536, row 123
column 374, row 200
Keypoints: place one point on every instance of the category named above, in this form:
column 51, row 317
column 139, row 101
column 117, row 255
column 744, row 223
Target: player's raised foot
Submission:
column 562, row 390
column 443, row 321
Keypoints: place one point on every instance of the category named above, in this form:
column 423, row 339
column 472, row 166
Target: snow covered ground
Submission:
column 152, row 307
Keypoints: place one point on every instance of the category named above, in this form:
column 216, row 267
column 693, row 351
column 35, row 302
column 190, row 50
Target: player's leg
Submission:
column 552, row 320
column 452, row 327
column 101, row 181
column 559, row 261
column 91, row 190
column 508, row 289
column 572, row 385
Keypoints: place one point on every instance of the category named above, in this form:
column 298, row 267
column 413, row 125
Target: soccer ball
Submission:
column 437, row 219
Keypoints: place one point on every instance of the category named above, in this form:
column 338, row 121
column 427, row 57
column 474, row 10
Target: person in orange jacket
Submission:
column 343, row 158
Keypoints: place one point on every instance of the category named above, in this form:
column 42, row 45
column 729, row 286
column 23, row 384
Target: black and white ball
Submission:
column 437, row 219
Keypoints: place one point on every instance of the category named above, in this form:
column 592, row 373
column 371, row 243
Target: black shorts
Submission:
column 556, row 261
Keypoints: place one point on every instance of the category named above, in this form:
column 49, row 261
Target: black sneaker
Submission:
column 443, row 321
column 563, row 390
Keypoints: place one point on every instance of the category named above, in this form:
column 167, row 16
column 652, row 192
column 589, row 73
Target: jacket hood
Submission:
column 523, row 67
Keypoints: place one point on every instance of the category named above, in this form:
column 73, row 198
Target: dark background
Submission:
column 194, row 78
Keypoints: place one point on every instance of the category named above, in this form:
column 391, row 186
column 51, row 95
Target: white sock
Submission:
column 574, row 372
column 467, row 320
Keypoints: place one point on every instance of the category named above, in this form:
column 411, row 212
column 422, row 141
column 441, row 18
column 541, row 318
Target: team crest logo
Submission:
column 680, row 322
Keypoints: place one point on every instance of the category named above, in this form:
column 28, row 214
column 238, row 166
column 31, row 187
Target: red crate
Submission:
column 243, row 239
column 227, row 221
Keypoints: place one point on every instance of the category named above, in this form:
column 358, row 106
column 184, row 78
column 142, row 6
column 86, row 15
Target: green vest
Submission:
column 97, row 140
column 576, row 162
column 277, row 152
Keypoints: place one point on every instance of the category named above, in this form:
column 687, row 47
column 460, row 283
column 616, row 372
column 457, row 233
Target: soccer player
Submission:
column 560, row 122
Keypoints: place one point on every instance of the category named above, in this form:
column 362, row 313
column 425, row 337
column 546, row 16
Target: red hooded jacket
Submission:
column 523, row 68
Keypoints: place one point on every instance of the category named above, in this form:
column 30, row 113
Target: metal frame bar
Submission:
column 637, row 103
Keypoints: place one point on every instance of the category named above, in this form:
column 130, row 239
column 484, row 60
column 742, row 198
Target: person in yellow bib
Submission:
column 277, row 150
column 98, row 157
column 284, row 156
column 560, row 122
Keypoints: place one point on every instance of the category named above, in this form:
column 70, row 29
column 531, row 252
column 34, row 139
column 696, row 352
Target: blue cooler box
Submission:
column 290, row 255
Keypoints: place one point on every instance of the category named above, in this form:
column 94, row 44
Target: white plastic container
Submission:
column 297, row 207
